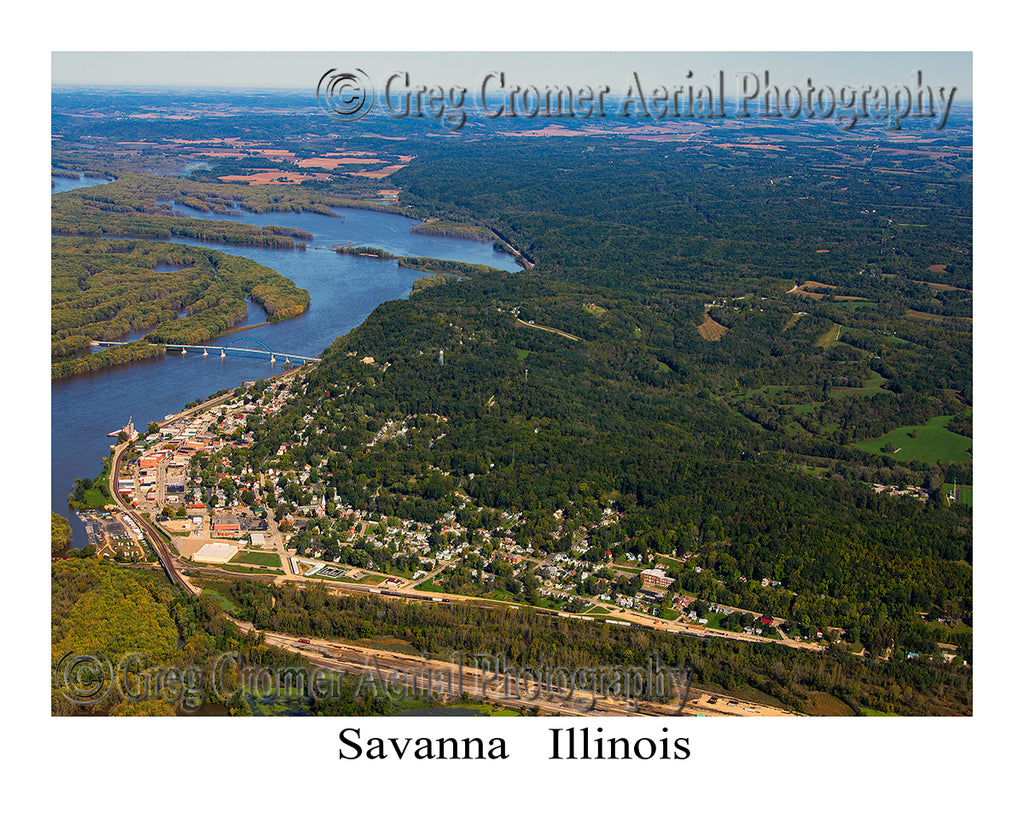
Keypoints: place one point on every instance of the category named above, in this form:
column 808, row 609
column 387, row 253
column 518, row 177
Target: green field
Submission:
column 930, row 443
column 830, row 337
column 964, row 494
column 429, row 586
column 270, row 560
column 225, row 604
column 872, row 386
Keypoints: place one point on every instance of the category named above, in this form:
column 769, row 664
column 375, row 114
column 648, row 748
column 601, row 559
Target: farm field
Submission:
column 931, row 443
column 711, row 330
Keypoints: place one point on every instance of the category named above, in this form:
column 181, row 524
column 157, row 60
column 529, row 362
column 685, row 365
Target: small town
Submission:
column 188, row 476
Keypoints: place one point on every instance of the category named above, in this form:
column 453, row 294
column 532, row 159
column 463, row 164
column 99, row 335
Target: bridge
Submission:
column 261, row 350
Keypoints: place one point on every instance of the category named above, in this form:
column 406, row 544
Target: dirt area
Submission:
column 273, row 177
column 332, row 163
column 748, row 145
column 216, row 154
column 276, row 153
column 562, row 333
column 812, row 289
column 939, row 287
column 188, row 546
column 711, row 330
column 920, row 316
column 380, row 174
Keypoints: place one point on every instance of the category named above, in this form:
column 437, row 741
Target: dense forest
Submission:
column 741, row 448
column 105, row 613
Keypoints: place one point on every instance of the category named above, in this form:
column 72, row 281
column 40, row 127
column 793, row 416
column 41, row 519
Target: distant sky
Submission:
column 302, row 70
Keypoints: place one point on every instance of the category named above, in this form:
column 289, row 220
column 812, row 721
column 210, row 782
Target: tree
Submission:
column 60, row 535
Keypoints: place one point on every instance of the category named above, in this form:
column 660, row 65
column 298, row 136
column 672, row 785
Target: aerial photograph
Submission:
column 512, row 384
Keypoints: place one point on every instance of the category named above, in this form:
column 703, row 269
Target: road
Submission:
column 155, row 537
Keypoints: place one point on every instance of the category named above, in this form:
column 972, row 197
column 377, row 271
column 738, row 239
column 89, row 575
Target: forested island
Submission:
column 103, row 289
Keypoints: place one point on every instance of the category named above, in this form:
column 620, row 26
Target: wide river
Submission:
column 343, row 291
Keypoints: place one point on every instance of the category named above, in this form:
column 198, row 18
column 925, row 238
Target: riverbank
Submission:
column 343, row 291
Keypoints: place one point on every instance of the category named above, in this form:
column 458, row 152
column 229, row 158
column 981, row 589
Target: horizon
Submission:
column 297, row 71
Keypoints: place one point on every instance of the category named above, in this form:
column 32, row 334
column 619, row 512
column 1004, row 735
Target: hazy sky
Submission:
column 303, row 69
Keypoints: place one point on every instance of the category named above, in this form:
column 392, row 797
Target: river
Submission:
column 343, row 291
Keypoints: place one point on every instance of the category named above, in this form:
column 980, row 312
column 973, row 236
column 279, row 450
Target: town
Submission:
column 190, row 475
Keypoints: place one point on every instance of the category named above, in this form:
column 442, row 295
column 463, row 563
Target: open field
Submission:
column 711, row 330
column 931, row 443
column 272, row 561
column 830, row 337
column 872, row 386
column 272, row 177
column 964, row 494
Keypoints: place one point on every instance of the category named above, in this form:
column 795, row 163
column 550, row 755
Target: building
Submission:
column 151, row 460
column 226, row 525
column 656, row 577
column 216, row 553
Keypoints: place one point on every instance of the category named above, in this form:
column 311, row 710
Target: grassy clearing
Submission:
column 222, row 601
column 715, row 620
column 244, row 568
column 830, row 337
column 803, row 409
column 711, row 330
column 964, row 494
column 793, row 319
column 871, row 712
column 930, row 443
column 272, row 561
column 429, row 586
column 825, row 705
column 872, row 386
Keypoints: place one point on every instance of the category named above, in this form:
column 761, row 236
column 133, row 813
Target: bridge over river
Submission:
column 261, row 350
